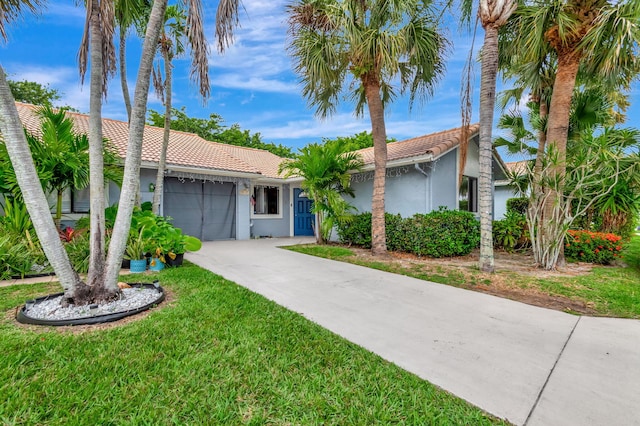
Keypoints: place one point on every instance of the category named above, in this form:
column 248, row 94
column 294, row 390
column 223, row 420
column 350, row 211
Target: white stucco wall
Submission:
column 278, row 227
column 405, row 191
column 500, row 196
column 444, row 187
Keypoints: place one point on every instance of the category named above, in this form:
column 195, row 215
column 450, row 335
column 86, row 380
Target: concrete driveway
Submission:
column 526, row 364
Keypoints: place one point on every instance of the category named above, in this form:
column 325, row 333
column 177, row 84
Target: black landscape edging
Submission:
column 97, row 319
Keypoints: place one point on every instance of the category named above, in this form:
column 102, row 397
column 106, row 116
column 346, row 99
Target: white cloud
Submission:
column 70, row 15
column 255, row 83
column 346, row 124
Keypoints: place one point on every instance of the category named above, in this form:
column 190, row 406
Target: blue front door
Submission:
column 303, row 219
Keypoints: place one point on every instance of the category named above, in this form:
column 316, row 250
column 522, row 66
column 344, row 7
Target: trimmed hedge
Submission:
column 518, row 205
column 442, row 233
column 592, row 247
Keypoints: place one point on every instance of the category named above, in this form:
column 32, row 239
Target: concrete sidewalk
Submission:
column 526, row 364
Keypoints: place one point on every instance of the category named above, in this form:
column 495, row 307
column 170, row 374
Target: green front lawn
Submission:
column 217, row 354
column 606, row 290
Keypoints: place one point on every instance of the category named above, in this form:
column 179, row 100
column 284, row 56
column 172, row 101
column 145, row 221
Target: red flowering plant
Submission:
column 592, row 247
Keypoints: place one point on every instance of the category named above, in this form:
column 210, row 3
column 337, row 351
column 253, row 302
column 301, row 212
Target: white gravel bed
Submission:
column 130, row 298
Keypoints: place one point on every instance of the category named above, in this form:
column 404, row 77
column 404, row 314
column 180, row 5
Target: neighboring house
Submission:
column 422, row 174
column 505, row 190
column 216, row 191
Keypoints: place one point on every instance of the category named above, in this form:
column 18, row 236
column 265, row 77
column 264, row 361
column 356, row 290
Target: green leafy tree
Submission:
column 213, row 130
column 358, row 141
column 34, row 93
column 325, row 169
column 367, row 46
column 205, row 128
column 598, row 38
column 235, row 136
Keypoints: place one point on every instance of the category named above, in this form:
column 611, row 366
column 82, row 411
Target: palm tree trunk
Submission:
column 318, row 228
column 542, row 140
column 379, row 133
column 134, row 149
column 95, row 277
column 157, row 194
column 557, row 134
column 122, row 51
column 58, row 218
column 485, row 181
column 32, row 193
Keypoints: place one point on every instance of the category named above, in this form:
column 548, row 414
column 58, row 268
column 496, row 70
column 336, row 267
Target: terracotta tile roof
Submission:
column 185, row 149
column 262, row 160
column 518, row 167
column 435, row 144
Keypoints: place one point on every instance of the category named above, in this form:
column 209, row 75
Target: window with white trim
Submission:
column 266, row 200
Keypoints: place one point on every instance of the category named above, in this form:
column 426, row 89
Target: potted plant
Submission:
column 177, row 244
column 157, row 260
column 136, row 250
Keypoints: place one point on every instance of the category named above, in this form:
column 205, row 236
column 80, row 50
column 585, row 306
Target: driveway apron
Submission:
column 526, row 364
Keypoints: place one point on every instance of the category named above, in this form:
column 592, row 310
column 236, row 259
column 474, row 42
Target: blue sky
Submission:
column 252, row 83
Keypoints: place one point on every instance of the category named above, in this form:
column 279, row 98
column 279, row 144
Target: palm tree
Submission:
column 64, row 156
column 493, row 14
column 172, row 45
column 10, row 10
column 376, row 43
column 599, row 36
column 128, row 14
column 325, row 169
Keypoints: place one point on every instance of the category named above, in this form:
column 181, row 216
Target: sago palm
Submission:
column 367, row 46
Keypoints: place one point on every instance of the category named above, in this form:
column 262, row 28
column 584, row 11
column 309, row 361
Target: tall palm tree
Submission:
column 492, row 14
column 172, row 45
column 325, row 169
column 376, row 44
column 599, row 36
column 128, row 14
column 10, row 10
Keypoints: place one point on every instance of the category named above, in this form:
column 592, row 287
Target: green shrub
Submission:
column 518, row 205
column 511, row 232
column 441, row 233
column 592, row 247
column 398, row 237
column 356, row 232
column 16, row 259
column 79, row 252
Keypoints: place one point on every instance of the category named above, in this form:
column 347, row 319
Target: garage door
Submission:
column 203, row 209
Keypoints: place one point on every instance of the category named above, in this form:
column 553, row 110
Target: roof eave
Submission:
column 203, row 171
column 425, row 158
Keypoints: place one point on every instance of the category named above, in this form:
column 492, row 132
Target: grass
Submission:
column 608, row 290
column 218, row 354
